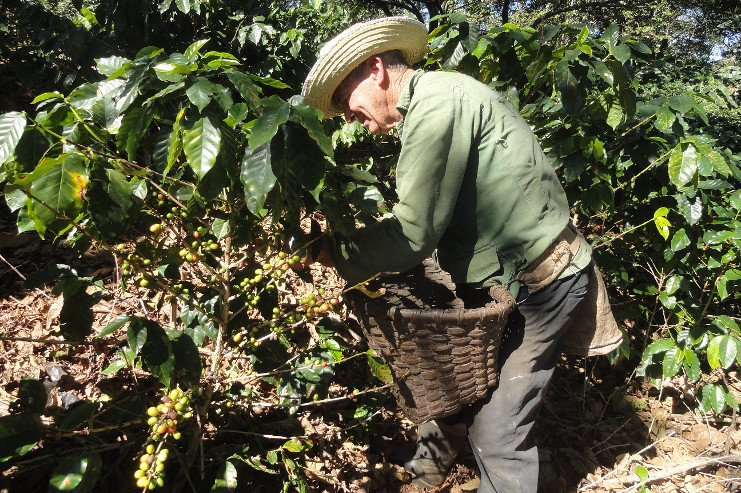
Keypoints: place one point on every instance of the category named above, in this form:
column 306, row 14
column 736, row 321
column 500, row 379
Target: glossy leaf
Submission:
column 201, row 143
column 11, row 130
column 19, row 434
column 110, row 199
column 257, row 176
column 672, row 362
column 691, row 365
column 60, row 189
column 683, row 164
column 713, row 398
column 275, row 113
column 200, row 93
column 226, row 479
column 77, row 473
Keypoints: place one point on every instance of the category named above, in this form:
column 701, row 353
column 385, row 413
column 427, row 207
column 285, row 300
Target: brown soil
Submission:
column 598, row 424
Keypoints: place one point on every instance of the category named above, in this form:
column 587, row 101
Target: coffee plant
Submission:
column 206, row 181
column 194, row 180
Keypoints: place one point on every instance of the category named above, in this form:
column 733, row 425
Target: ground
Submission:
column 601, row 429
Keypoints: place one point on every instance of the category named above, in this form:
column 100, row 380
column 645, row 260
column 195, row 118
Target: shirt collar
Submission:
column 405, row 99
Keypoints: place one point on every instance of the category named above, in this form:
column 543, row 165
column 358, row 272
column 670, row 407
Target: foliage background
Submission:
column 636, row 103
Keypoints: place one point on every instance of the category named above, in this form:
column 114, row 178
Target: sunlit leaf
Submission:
column 257, row 176
column 77, row 473
column 11, row 129
column 682, row 164
column 201, row 143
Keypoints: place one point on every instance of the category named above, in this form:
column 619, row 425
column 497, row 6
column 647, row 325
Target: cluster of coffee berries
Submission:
column 316, row 304
column 150, row 473
column 164, row 419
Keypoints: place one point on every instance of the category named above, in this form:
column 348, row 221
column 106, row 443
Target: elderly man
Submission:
column 477, row 193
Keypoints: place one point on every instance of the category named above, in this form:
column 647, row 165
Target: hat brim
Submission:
column 351, row 47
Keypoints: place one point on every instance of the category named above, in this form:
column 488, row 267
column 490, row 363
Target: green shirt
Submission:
column 475, row 190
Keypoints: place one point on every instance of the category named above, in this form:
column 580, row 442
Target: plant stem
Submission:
column 224, row 318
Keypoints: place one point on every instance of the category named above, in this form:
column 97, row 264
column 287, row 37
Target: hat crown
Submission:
column 338, row 57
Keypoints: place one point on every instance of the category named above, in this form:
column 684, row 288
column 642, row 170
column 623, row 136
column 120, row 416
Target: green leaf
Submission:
column 147, row 338
column 221, row 228
column 114, row 367
column 379, row 368
column 717, row 237
column 32, row 395
column 113, row 326
column 680, row 240
column 133, row 128
column 573, row 97
column 672, row 362
column 77, row 473
column 84, row 96
column 11, row 130
column 621, row 52
column 661, row 222
column 311, row 119
column 110, row 200
column 192, row 50
column 104, row 112
column 257, row 176
column 274, row 114
column 188, row 365
column 77, row 415
column 691, row 365
column 19, row 434
column 200, row 93
column 183, row 6
column 713, row 398
column 615, row 114
column 226, row 479
column 722, row 351
column 60, row 189
column 76, row 317
column 47, row 96
column 268, row 81
column 682, row 164
column 665, row 119
column 201, row 143
column 642, row 473
column 249, row 91
column 110, row 65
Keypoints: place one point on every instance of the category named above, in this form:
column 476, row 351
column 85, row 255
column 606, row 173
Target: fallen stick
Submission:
column 684, row 468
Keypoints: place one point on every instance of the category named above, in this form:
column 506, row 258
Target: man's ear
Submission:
column 377, row 70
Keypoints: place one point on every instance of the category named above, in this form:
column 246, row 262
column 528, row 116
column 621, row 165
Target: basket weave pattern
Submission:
column 442, row 358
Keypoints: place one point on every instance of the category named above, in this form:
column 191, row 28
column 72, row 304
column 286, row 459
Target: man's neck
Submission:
column 398, row 81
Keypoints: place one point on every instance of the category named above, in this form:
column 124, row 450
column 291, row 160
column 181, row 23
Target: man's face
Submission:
column 363, row 98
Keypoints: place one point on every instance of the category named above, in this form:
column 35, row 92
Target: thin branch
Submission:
column 13, row 268
column 682, row 469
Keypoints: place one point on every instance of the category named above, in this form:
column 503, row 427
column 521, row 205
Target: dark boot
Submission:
column 438, row 445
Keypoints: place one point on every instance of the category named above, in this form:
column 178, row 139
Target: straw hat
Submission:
column 348, row 49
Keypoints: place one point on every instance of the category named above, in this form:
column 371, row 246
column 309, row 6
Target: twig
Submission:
column 13, row 268
column 684, row 468
column 57, row 341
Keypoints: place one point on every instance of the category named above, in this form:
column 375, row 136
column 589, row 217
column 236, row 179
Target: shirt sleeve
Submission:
column 436, row 141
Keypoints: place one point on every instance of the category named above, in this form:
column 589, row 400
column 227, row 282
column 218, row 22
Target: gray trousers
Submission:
column 499, row 426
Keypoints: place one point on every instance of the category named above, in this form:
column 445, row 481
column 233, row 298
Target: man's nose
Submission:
column 349, row 115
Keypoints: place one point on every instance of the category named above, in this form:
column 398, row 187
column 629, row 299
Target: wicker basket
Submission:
column 443, row 352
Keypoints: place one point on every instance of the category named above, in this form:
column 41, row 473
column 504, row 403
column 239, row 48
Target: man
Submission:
column 476, row 192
